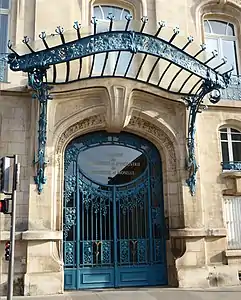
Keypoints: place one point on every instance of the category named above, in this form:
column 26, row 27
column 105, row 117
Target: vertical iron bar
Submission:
column 12, row 230
column 115, row 237
column 120, row 236
column 83, row 228
column 100, row 234
column 77, row 238
column 149, row 215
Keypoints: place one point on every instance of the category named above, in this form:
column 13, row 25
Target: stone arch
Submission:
column 160, row 136
column 236, row 124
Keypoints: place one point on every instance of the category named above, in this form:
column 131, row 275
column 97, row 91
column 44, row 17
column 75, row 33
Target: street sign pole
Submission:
column 12, row 229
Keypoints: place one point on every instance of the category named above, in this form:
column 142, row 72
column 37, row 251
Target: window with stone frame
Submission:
column 220, row 36
column 102, row 14
column 231, row 148
column 232, row 218
column 4, row 23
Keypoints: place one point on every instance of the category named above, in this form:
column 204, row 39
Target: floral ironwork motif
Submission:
column 142, row 250
column 133, row 197
column 41, row 93
column 70, row 220
column 106, row 252
column 114, row 41
column 69, row 258
column 70, row 187
column 158, row 249
column 94, row 198
column 124, row 251
column 194, row 104
column 88, row 252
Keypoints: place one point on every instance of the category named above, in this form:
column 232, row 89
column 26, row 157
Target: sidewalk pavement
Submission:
column 232, row 293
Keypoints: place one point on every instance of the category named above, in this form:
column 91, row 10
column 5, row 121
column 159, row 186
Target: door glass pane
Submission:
column 225, row 151
column 112, row 164
column 236, row 151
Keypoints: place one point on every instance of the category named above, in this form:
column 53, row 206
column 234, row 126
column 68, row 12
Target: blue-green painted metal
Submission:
column 41, row 93
column 102, row 248
column 194, row 104
column 231, row 165
column 207, row 79
column 115, row 41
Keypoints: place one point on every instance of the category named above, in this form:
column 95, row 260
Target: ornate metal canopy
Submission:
column 125, row 52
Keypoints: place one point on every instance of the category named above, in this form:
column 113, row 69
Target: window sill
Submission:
column 231, row 173
column 233, row 253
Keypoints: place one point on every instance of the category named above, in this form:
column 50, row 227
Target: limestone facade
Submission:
column 197, row 251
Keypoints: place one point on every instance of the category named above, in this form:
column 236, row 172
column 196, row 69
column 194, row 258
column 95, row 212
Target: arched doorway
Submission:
column 114, row 228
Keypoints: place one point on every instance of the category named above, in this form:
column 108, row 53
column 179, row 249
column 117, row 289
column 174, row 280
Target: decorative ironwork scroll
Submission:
column 36, row 63
column 41, row 93
column 194, row 104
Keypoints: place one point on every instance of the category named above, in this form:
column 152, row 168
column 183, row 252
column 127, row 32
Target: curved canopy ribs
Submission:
column 121, row 51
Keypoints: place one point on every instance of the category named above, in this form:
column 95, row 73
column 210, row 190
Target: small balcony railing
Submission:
column 3, row 67
column 231, row 165
column 233, row 92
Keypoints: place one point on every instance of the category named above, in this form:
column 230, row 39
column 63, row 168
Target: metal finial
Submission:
column 42, row 35
column 162, row 24
column 10, row 44
column 224, row 59
column 144, row 19
column 190, row 39
column 76, row 25
column 128, row 17
column 176, row 30
column 215, row 53
column 26, row 40
column 110, row 16
column 59, row 30
column 94, row 20
column 203, row 46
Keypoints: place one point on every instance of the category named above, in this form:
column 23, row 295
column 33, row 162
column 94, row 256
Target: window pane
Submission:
column 207, row 27
column 225, row 151
column 224, row 136
column 3, row 33
column 235, row 130
column 4, row 4
column 98, row 13
column 229, row 51
column 212, row 44
column 102, row 12
column 218, row 27
column 236, row 137
column 236, row 151
column 223, row 130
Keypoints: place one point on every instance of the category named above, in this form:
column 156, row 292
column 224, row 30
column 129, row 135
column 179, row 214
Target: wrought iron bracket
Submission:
column 36, row 80
column 195, row 105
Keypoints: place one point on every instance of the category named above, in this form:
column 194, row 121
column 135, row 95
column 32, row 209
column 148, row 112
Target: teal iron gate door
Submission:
column 114, row 228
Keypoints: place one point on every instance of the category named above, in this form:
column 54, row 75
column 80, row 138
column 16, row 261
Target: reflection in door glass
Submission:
column 110, row 164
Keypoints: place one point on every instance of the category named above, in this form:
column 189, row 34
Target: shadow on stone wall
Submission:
column 18, row 286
